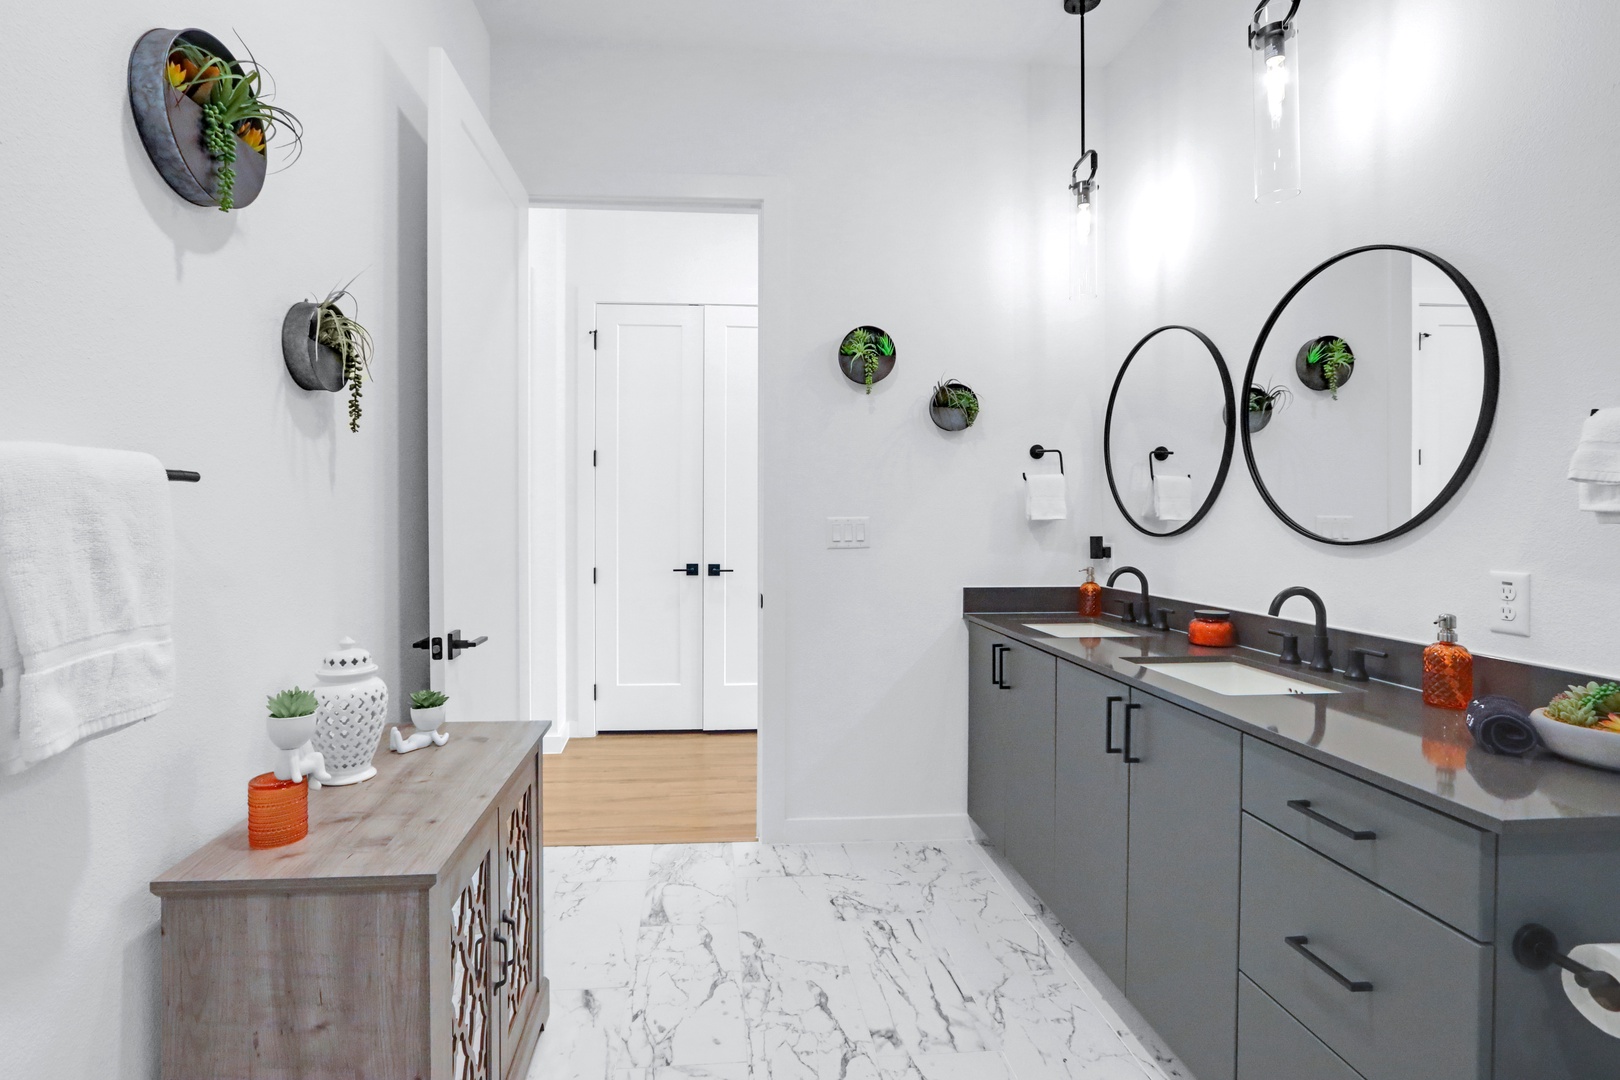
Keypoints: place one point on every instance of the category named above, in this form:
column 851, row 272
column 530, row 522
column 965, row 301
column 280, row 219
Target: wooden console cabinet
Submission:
column 400, row 940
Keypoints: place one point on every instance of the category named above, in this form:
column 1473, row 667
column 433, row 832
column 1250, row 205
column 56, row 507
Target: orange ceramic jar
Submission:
column 1213, row 629
column 278, row 811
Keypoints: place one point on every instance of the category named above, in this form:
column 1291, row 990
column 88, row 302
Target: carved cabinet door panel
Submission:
column 518, row 985
column 468, row 1047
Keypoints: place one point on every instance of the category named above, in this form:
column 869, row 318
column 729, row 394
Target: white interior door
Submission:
column 649, row 517
column 477, row 408
column 1448, row 381
column 730, row 519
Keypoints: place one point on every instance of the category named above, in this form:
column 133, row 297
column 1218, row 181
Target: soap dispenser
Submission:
column 1091, row 595
column 1448, row 669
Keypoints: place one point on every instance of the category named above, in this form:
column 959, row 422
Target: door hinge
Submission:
column 761, row 599
column 593, row 341
column 593, row 691
column 593, row 575
column 593, row 459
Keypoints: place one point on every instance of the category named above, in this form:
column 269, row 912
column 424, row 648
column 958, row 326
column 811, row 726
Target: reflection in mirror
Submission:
column 1388, row 374
column 1167, row 440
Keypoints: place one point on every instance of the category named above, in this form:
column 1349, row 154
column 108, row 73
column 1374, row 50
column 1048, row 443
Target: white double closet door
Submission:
column 677, row 480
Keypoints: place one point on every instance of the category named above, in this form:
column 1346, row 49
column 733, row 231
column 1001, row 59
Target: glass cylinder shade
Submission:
column 1085, row 238
column 1274, row 47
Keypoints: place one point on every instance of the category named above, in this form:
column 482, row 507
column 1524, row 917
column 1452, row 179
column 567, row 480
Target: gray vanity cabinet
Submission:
column 1092, row 816
column 1182, row 881
column 987, row 761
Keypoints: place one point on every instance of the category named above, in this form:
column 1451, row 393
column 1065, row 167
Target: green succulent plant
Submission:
column 1335, row 357
column 351, row 341
column 949, row 394
column 235, row 104
column 1584, row 706
column 427, row 699
column 867, row 349
column 292, row 703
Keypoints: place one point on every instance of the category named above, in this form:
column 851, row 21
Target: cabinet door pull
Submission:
column 1355, row 986
column 995, row 665
column 1304, row 807
column 506, row 955
column 1108, row 727
column 1130, row 710
column 1002, row 679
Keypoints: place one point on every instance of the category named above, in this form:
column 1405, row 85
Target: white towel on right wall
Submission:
column 1595, row 468
column 1173, row 497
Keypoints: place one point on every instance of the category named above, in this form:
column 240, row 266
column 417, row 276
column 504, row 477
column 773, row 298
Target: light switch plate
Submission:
column 1333, row 526
column 1510, row 603
column 847, row 532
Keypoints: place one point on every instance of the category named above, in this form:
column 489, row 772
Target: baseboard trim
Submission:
column 553, row 744
column 826, row 830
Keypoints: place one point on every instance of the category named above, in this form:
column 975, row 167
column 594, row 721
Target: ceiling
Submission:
column 1020, row 31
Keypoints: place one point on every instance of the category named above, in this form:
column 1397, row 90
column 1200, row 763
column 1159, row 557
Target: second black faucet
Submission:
column 1143, row 617
column 1323, row 658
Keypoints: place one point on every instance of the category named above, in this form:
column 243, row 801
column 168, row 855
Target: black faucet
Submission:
column 1145, row 618
column 1322, row 661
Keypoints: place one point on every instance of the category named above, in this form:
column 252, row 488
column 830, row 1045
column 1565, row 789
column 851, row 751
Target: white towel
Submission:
column 86, row 569
column 1597, row 456
column 1602, row 500
column 1172, row 497
column 1046, row 497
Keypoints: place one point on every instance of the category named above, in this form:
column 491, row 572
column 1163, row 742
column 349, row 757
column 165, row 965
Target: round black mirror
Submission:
column 1360, row 462
column 1169, row 432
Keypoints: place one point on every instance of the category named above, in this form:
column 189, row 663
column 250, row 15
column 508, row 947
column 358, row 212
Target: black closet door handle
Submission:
column 715, row 571
column 1304, row 807
column 1108, row 727
column 1130, row 710
column 1355, row 986
column 690, row 569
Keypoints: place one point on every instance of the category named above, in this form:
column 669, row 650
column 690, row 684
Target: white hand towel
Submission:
column 1602, row 500
column 86, row 578
column 1172, row 498
column 1047, row 497
column 1597, row 456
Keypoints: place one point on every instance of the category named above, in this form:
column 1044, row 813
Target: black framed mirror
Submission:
column 1169, row 433
column 1350, row 463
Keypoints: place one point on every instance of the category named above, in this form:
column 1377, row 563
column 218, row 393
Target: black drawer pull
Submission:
column 1108, row 727
column 995, row 661
column 1304, row 807
column 1129, row 710
column 1355, row 986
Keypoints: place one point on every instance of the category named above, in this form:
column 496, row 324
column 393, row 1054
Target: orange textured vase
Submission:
column 1448, row 669
column 278, row 811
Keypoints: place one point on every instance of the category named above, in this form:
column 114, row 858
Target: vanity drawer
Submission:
column 1274, row 1046
column 1420, row 1005
column 1443, row 866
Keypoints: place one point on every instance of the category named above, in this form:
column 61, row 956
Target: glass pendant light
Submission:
column 1274, row 46
column 1084, row 189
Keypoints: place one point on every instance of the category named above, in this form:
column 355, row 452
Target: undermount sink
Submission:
column 1232, row 679
column 1079, row 630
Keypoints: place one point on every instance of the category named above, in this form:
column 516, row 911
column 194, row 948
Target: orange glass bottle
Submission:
column 1448, row 669
column 1091, row 595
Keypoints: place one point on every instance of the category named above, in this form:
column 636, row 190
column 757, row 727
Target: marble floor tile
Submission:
column 590, row 934
column 587, row 1036
column 582, row 864
column 687, row 1004
column 690, row 885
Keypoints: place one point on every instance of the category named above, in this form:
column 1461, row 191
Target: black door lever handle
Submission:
column 690, row 569
column 715, row 571
column 437, row 645
column 458, row 644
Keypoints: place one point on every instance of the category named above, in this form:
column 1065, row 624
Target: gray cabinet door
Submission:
column 987, row 772
column 1182, row 885
column 1092, row 815
column 1029, row 683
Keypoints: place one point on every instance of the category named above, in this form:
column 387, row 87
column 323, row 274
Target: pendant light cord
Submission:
column 1083, row 144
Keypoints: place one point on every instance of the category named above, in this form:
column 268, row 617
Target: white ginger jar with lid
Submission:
column 353, row 710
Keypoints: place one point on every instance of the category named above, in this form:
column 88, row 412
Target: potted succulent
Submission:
column 292, row 718
column 1325, row 363
column 325, row 349
column 427, row 709
column 1265, row 402
column 953, row 406
column 205, row 117
column 868, row 355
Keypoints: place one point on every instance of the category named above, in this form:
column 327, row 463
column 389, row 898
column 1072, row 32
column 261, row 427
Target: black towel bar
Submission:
column 183, row 476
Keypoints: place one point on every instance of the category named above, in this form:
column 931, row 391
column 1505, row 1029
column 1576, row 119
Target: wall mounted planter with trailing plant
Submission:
column 1317, row 368
column 953, row 406
column 204, row 116
column 866, row 356
column 312, row 365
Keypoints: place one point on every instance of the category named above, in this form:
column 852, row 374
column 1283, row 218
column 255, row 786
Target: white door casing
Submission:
column 731, row 518
column 649, row 517
column 1448, row 377
column 477, row 392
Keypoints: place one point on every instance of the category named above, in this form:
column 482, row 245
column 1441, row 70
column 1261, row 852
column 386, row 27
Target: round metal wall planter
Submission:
column 312, row 365
column 948, row 418
column 854, row 365
column 171, row 124
column 1311, row 375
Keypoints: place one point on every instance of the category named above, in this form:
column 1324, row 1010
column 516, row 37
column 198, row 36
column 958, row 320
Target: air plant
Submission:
column 1268, row 398
column 1336, row 359
column 950, row 394
column 235, row 104
column 351, row 341
column 292, row 703
column 867, row 349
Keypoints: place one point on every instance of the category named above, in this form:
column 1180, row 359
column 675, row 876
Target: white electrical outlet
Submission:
column 847, row 532
column 1510, row 600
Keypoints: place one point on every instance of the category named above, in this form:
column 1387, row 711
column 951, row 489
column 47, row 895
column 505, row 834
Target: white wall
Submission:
column 131, row 319
column 928, row 198
column 1444, row 125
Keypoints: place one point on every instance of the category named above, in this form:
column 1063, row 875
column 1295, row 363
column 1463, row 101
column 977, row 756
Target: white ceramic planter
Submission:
column 1585, row 745
column 353, row 710
column 428, row 719
column 291, row 732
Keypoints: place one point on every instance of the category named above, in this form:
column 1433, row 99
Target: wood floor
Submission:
column 685, row 788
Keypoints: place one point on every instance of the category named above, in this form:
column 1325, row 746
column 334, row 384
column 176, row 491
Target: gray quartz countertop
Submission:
column 1377, row 731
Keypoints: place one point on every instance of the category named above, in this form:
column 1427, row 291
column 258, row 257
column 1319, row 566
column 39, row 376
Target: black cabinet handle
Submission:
column 1126, row 749
column 995, row 665
column 1304, row 807
column 506, row 956
column 1108, row 727
column 1355, row 986
column 715, row 571
column 1001, row 680
column 690, row 569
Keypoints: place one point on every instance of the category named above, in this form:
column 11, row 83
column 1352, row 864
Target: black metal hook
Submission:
column 1038, row 451
column 1158, row 453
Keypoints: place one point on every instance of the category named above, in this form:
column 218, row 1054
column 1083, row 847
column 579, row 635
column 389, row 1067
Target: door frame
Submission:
column 768, row 199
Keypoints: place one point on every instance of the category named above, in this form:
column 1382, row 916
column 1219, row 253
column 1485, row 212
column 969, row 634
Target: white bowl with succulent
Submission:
column 1583, row 724
column 427, row 713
